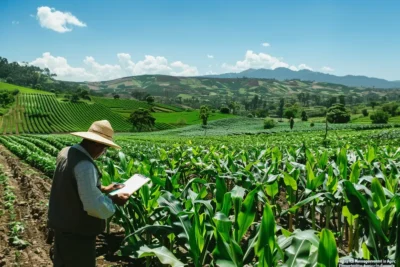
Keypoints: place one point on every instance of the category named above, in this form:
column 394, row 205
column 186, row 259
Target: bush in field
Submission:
column 380, row 116
column 312, row 124
column 142, row 119
column 338, row 114
column 365, row 112
column 304, row 116
column 224, row 110
column 261, row 113
column 390, row 108
column 269, row 123
column 204, row 114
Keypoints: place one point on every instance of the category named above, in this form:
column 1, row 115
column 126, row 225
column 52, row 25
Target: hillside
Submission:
column 307, row 75
column 216, row 91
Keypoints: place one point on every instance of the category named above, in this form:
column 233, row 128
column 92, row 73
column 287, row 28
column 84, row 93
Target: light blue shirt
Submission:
column 95, row 203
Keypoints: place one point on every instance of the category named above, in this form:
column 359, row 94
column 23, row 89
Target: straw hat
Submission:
column 99, row 132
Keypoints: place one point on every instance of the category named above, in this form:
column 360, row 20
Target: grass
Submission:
column 12, row 87
column 189, row 118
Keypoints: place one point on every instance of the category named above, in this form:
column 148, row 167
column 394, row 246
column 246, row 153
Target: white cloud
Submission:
column 60, row 66
column 15, row 22
column 210, row 56
column 304, row 67
column 56, row 20
column 266, row 44
column 257, row 61
column 327, row 69
column 94, row 71
column 262, row 60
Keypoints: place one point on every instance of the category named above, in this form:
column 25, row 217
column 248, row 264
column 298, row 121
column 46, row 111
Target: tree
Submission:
column 380, row 116
column 9, row 80
column 150, row 99
column 224, row 110
column 373, row 104
column 75, row 98
column 304, row 116
column 390, row 108
column 116, row 96
column 142, row 119
column 6, row 98
column 290, row 113
column 204, row 114
column 338, row 114
column 365, row 112
column 269, row 123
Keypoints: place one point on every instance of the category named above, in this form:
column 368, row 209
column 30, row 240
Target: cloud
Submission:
column 56, row 20
column 210, row 56
column 327, row 69
column 15, row 22
column 257, row 61
column 60, row 66
column 94, row 71
column 266, row 44
column 265, row 61
column 304, row 67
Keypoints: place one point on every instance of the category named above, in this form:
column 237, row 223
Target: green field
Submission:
column 11, row 87
column 187, row 118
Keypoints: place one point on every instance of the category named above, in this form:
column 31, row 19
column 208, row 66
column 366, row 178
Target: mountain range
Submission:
column 307, row 75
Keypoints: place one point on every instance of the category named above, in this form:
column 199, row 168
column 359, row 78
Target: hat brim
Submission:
column 96, row 138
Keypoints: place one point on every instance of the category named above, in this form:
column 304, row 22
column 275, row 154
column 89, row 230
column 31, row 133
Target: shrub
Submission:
column 312, row 124
column 269, row 123
column 250, row 115
column 304, row 116
column 365, row 112
column 380, row 116
column 224, row 110
column 338, row 114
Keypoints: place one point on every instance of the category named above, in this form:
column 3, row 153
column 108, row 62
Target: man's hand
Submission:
column 120, row 199
column 109, row 188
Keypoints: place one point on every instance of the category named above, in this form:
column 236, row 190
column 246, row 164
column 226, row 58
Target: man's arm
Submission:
column 94, row 202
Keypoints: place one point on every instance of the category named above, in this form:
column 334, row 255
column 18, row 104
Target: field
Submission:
column 187, row 118
column 25, row 90
column 281, row 198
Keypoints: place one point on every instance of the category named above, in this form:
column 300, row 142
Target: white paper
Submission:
column 132, row 184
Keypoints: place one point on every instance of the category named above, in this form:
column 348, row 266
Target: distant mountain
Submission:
column 306, row 75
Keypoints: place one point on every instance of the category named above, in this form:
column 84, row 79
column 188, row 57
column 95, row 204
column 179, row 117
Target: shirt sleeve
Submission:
column 95, row 203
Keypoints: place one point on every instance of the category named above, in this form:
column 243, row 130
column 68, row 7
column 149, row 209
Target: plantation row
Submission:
column 246, row 202
column 35, row 113
column 129, row 104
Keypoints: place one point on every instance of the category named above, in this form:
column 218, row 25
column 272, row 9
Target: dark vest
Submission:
column 66, row 211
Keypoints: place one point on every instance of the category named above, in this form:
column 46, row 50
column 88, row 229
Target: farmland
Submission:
column 254, row 200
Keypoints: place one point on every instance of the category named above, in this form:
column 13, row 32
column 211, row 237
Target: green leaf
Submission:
column 377, row 194
column 301, row 203
column 343, row 163
column 327, row 250
column 247, row 213
column 365, row 251
column 357, row 204
column 355, row 172
column 266, row 237
column 162, row 253
column 272, row 189
column 289, row 181
column 350, row 217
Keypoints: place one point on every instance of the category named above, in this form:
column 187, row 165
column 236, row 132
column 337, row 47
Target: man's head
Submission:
column 98, row 138
column 95, row 150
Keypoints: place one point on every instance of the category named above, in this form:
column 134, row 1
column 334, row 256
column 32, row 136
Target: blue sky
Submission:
column 111, row 39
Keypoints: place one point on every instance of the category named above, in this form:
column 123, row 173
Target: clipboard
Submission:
column 132, row 185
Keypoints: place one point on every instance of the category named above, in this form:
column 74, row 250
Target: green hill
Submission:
column 12, row 87
column 217, row 91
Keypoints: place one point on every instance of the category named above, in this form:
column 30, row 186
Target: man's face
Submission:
column 100, row 150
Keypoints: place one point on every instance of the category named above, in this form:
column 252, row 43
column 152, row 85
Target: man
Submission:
column 78, row 208
column 291, row 123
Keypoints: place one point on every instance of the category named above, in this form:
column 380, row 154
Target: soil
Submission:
column 32, row 190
